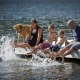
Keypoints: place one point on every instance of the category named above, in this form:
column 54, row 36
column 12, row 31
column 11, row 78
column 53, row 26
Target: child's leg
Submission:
column 52, row 55
column 62, row 51
column 34, row 49
column 45, row 51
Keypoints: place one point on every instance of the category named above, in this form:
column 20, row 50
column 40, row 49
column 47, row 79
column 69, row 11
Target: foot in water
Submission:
column 13, row 44
column 53, row 56
column 29, row 53
column 62, row 56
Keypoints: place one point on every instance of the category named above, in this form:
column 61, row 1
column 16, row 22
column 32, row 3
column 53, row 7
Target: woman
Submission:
column 34, row 38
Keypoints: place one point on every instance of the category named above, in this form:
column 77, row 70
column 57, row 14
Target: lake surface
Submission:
column 46, row 12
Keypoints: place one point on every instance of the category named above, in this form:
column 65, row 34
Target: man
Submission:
column 75, row 44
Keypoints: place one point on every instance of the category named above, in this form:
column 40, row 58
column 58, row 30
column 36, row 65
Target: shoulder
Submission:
column 78, row 27
column 39, row 27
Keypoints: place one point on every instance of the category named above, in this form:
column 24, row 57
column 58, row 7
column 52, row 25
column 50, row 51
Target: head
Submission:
column 61, row 33
column 71, row 24
column 51, row 28
column 33, row 23
column 18, row 28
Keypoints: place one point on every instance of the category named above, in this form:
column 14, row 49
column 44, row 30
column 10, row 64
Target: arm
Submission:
column 55, row 38
column 66, row 42
column 39, row 35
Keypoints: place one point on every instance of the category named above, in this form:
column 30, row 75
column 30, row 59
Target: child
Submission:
column 48, row 42
column 60, row 40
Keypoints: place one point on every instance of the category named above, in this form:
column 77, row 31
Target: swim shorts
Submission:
column 55, row 48
column 45, row 45
column 74, row 45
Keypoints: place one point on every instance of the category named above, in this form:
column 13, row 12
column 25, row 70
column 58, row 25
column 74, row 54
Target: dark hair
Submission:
column 35, row 21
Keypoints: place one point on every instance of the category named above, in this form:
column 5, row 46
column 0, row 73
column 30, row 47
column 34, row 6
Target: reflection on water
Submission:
column 46, row 12
column 22, row 71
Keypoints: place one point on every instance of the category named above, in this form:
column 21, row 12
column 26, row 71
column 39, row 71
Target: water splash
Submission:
column 37, row 61
column 6, row 51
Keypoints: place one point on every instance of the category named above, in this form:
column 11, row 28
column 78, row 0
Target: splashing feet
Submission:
column 62, row 56
column 13, row 44
column 53, row 56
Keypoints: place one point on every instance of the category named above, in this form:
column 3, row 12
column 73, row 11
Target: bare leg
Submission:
column 52, row 55
column 45, row 51
column 68, row 52
column 22, row 45
column 62, row 51
column 34, row 49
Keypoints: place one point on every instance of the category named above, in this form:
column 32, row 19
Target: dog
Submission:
column 22, row 31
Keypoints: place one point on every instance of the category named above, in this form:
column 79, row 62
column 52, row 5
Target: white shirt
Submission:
column 74, row 33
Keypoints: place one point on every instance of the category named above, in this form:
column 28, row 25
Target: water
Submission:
column 45, row 12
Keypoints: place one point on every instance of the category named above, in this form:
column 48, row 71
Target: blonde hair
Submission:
column 61, row 32
column 51, row 26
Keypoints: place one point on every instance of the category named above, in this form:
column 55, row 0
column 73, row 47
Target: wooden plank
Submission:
column 22, row 51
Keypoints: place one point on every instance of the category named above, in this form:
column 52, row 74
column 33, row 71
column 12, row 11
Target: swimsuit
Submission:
column 45, row 45
column 55, row 47
column 33, row 40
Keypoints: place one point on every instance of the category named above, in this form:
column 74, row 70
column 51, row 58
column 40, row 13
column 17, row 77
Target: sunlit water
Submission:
column 46, row 12
column 35, row 68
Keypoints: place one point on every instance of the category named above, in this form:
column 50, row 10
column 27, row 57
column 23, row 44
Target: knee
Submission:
column 65, row 48
column 26, row 44
column 72, row 49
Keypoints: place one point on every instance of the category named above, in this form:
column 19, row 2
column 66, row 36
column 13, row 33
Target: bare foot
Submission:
column 62, row 56
column 13, row 44
column 29, row 53
column 53, row 56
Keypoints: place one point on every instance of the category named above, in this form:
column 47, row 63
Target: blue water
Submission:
column 45, row 12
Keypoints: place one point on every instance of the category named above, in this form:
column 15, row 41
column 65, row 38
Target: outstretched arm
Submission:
column 66, row 42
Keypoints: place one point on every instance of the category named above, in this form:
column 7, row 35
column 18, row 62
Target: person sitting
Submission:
column 75, row 44
column 34, row 38
column 56, row 47
column 48, row 41
column 60, row 41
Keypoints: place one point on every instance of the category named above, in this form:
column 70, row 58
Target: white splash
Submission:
column 6, row 51
column 37, row 61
